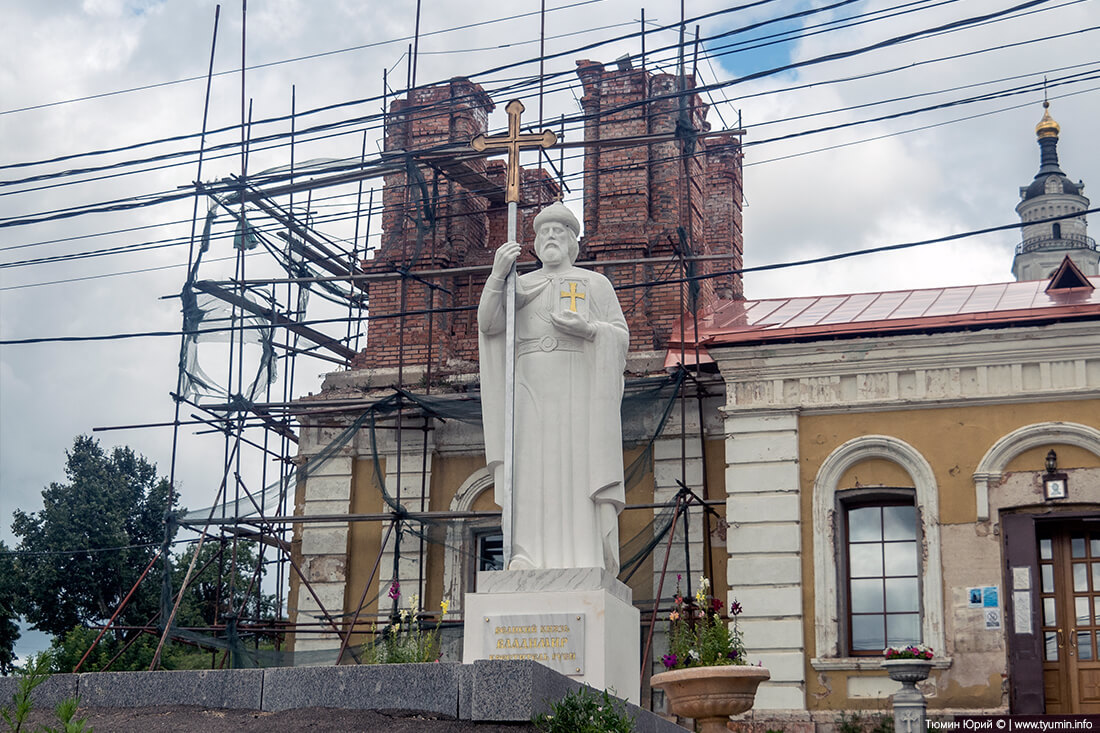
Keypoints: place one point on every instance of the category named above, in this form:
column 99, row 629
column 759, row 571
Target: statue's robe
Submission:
column 568, row 430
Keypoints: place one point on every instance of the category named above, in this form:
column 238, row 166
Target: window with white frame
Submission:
column 881, row 547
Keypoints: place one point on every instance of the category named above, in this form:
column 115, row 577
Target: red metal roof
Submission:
column 973, row 306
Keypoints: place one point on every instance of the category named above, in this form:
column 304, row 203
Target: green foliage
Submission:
column 67, row 650
column 111, row 500
column 9, row 611
column 584, row 712
column 35, row 673
column 849, row 723
column 204, row 604
column 66, row 715
column 207, row 601
column 853, row 722
column 132, row 654
column 402, row 642
column 698, row 636
column 405, row 640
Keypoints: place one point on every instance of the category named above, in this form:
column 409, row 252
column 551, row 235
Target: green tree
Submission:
column 226, row 580
column 83, row 551
column 9, row 611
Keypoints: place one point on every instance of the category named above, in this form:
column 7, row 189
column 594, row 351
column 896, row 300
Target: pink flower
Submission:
column 395, row 591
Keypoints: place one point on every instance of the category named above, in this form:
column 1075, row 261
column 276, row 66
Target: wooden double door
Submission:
column 1069, row 600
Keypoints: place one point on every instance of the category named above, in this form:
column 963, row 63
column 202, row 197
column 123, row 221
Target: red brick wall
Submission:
column 638, row 197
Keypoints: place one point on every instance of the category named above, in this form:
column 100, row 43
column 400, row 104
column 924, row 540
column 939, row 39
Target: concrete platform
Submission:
column 485, row 691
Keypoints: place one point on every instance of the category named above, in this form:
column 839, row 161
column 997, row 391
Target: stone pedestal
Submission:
column 909, row 703
column 577, row 621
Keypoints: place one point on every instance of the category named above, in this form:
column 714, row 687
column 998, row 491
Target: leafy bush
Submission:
column 584, row 712
column 405, row 640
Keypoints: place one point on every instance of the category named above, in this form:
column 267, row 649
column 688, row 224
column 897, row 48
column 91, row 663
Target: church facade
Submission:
column 898, row 471
column 880, row 468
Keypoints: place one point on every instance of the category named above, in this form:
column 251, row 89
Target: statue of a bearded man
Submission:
column 571, row 344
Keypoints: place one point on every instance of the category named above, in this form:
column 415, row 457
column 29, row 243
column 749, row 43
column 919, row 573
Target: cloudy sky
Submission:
column 915, row 140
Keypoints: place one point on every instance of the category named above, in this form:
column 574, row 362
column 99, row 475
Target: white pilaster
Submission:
column 324, row 558
column 765, row 543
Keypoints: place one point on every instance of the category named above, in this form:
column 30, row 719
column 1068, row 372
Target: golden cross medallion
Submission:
column 572, row 294
column 513, row 142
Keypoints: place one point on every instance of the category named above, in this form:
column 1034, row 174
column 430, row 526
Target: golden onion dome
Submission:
column 1047, row 127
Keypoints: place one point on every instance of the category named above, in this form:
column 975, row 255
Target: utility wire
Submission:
column 91, row 550
column 296, row 59
column 138, row 202
column 647, row 284
column 232, row 146
column 628, row 36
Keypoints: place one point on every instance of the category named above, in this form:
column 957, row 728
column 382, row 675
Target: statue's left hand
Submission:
column 574, row 325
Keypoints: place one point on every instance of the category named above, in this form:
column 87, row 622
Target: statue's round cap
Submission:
column 558, row 212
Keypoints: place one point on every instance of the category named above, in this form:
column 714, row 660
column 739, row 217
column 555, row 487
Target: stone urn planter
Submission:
column 710, row 695
column 908, row 671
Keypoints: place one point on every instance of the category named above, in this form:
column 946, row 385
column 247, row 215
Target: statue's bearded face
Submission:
column 555, row 243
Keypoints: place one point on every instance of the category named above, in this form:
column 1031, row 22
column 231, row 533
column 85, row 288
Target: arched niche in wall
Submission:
column 828, row 481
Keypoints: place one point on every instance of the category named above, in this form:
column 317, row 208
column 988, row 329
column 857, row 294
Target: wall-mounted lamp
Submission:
column 1054, row 483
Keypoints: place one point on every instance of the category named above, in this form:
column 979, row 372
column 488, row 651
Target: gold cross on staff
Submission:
column 513, row 142
column 572, row 294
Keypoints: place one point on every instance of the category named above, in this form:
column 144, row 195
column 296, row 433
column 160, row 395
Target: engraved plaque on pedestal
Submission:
column 554, row 639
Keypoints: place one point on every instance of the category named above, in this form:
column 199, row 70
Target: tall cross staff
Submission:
column 513, row 143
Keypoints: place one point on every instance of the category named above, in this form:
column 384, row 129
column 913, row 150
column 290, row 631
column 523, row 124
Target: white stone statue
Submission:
column 571, row 343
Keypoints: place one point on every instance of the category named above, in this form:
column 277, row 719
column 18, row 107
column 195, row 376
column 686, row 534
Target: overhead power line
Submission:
column 504, row 67
column 376, row 118
column 295, row 59
column 645, row 284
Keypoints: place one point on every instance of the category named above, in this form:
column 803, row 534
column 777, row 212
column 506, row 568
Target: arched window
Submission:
column 1057, row 230
column 472, row 544
column 836, row 605
column 880, row 563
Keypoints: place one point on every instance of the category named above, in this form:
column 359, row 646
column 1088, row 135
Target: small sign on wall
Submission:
column 992, row 618
column 987, row 599
column 1021, row 611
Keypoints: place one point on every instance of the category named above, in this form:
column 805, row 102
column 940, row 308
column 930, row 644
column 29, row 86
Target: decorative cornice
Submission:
column 992, row 366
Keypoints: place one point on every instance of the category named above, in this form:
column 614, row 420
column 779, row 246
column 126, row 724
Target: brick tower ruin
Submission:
column 646, row 202
column 444, row 210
